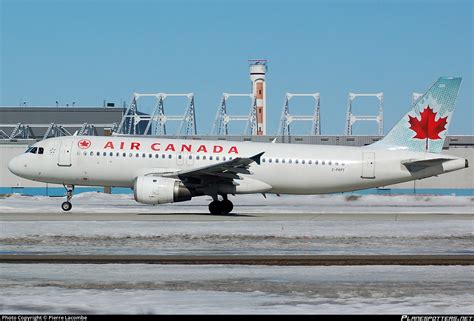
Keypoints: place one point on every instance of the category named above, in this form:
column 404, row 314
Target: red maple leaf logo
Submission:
column 427, row 127
column 84, row 143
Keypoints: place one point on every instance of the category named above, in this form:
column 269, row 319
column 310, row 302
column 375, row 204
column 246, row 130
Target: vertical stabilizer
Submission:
column 425, row 126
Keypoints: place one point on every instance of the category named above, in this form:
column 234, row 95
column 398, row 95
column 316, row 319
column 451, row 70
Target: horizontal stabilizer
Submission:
column 417, row 165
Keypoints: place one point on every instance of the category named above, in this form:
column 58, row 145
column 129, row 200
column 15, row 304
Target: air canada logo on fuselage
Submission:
column 182, row 148
column 84, row 143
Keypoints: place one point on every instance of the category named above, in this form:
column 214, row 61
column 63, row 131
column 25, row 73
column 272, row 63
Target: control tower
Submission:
column 258, row 70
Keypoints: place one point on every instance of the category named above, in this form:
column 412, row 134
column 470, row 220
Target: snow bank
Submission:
column 93, row 202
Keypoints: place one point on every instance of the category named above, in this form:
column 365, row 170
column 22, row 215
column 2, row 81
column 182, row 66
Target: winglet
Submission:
column 256, row 158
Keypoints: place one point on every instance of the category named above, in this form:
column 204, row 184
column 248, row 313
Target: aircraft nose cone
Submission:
column 15, row 166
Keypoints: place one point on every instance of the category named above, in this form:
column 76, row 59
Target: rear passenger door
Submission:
column 368, row 165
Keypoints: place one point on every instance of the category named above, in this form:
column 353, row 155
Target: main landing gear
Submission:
column 66, row 206
column 224, row 207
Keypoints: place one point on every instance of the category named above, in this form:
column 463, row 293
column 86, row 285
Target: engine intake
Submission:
column 160, row 190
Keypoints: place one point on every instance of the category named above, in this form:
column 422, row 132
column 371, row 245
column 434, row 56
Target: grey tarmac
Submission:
column 84, row 216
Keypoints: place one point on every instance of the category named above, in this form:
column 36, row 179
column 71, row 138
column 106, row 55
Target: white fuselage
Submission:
column 285, row 168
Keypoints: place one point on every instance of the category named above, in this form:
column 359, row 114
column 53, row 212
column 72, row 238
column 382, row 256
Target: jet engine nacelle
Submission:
column 160, row 190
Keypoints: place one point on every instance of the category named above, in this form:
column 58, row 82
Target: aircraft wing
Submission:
column 224, row 171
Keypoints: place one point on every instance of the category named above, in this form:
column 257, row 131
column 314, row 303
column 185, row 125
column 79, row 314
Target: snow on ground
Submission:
column 138, row 289
column 93, row 202
column 238, row 237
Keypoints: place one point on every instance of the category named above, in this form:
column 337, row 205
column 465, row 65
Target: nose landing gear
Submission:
column 66, row 206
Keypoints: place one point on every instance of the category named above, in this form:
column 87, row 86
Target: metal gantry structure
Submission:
column 4, row 135
column 135, row 122
column 222, row 119
column 352, row 118
column 87, row 130
column 22, row 131
column 27, row 131
column 287, row 118
column 55, row 130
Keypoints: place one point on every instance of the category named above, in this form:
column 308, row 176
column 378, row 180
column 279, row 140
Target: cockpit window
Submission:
column 35, row 150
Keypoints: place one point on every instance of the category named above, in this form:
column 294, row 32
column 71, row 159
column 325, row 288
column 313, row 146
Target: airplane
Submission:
column 164, row 171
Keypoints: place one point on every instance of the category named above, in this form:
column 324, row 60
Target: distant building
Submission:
column 35, row 122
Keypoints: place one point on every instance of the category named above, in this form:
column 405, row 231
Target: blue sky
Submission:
column 88, row 51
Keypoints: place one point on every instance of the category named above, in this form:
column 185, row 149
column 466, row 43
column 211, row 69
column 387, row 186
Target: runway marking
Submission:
column 276, row 260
